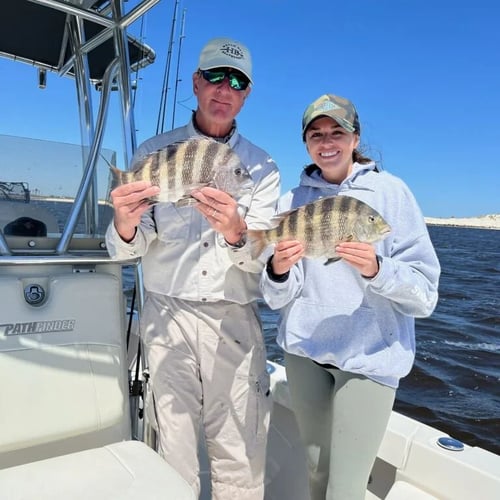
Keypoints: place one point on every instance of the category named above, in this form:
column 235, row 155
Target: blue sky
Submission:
column 424, row 75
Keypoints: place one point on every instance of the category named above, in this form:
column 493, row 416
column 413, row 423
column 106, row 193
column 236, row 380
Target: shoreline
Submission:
column 483, row 222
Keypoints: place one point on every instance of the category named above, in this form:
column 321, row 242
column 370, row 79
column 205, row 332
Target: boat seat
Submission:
column 119, row 471
column 64, row 364
column 401, row 490
column 15, row 219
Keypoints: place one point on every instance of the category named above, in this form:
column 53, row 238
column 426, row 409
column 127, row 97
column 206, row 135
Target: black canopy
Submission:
column 34, row 33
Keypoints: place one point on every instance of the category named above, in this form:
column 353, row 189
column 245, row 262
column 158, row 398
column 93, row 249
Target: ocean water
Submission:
column 455, row 382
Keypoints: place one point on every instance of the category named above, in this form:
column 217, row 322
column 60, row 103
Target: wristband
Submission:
column 277, row 278
column 240, row 243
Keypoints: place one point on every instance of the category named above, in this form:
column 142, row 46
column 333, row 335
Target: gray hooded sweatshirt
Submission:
column 333, row 315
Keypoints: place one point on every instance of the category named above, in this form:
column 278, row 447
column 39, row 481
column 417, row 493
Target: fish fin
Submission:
column 257, row 240
column 172, row 148
column 116, row 174
column 186, row 201
column 331, row 260
column 152, row 200
column 106, row 160
column 275, row 220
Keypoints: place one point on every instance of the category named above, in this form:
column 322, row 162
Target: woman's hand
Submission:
column 286, row 254
column 361, row 256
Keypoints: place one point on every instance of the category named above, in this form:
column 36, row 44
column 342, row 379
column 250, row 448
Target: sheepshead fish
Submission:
column 321, row 225
column 182, row 167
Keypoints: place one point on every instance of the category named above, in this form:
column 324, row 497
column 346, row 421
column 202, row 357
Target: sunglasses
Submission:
column 237, row 81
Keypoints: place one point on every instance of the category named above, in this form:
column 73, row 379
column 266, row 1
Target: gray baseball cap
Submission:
column 226, row 53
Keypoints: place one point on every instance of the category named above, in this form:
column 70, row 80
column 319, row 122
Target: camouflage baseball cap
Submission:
column 338, row 108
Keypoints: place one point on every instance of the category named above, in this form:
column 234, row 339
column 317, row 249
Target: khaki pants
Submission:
column 207, row 363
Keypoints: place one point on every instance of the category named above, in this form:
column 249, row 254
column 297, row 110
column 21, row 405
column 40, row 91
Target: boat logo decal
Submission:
column 33, row 327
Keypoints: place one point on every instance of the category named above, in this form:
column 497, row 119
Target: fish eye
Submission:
column 237, row 171
column 371, row 218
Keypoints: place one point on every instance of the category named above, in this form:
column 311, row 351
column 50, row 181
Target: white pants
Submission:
column 342, row 419
column 207, row 363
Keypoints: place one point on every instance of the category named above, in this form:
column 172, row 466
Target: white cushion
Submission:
column 120, row 471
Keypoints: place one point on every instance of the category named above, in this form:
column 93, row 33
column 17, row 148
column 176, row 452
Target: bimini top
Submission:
column 36, row 33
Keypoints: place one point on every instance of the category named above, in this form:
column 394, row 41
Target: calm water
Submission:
column 455, row 382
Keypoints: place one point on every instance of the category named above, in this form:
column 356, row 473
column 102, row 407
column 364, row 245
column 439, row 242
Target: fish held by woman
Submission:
column 185, row 166
column 321, row 225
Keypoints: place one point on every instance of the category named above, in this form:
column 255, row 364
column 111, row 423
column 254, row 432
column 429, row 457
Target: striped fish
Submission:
column 182, row 167
column 321, row 225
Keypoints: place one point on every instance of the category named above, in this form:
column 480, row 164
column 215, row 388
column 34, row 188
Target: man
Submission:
column 200, row 322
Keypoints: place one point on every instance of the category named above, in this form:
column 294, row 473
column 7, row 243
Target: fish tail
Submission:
column 117, row 177
column 258, row 241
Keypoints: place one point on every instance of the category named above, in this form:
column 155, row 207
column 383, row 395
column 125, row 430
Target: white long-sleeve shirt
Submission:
column 182, row 256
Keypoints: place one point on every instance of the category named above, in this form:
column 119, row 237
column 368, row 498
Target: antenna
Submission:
column 177, row 79
column 42, row 78
column 134, row 87
column 163, row 99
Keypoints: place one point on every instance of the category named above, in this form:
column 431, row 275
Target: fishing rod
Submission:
column 177, row 79
column 164, row 92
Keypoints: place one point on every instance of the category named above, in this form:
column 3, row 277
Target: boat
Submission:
column 72, row 419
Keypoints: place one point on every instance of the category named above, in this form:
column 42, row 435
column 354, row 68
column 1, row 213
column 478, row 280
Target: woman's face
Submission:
column 330, row 147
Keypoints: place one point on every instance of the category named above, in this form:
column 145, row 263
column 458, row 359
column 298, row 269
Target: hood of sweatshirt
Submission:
column 311, row 177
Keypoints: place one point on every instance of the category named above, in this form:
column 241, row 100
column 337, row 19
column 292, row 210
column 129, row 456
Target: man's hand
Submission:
column 221, row 211
column 130, row 201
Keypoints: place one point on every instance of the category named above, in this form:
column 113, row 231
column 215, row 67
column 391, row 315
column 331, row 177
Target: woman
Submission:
column 347, row 328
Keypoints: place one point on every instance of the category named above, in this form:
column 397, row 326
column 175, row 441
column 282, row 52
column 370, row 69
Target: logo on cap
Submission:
column 326, row 106
column 233, row 51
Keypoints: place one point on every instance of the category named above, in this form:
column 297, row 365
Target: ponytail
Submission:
column 358, row 157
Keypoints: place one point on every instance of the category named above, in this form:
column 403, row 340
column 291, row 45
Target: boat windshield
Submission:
column 54, row 196
column 38, row 185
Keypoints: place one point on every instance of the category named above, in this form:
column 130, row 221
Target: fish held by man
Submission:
column 185, row 166
column 321, row 225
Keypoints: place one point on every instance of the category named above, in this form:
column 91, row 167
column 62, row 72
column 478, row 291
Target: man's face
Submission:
column 218, row 103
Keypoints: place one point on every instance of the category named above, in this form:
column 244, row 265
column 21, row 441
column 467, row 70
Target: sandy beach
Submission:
column 484, row 221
